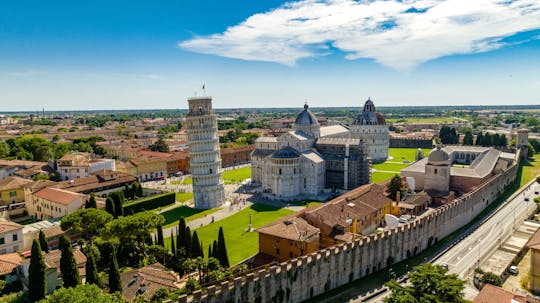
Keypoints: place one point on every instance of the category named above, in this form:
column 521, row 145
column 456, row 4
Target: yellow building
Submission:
column 12, row 193
column 534, row 246
column 144, row 168
column 288, row 238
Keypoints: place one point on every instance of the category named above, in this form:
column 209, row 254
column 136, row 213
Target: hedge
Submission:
column 149, row 203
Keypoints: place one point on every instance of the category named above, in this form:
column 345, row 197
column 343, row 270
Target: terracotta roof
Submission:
column 57, row 195
column 9, row 262
column 39, row 184
column 494, row 294
column 77, row 159
column 23, row 163
column 52, row 258
column 7, row 226
column 291, row 228
column 232, row 150
column 53, row 231
column 534, row 241
column 13, row 183
column 96, row 181
column 146, row 280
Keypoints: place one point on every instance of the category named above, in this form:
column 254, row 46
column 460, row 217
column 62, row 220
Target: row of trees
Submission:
column 38, row 148
column 487, row 139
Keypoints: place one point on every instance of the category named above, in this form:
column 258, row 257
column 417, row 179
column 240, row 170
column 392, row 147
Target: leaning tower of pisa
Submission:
column 205, row 159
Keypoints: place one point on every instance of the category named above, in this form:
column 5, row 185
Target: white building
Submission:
column 204, row 153
column 370, row 127
column 50, row 203
column 79, row 165
column 11, row 237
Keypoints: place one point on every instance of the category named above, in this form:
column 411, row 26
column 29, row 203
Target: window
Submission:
column 277, row 251
column 2, row 241
column 435, row 171
column 290, row 254
column 15, row 237
column 280, row 171
column 12, row 193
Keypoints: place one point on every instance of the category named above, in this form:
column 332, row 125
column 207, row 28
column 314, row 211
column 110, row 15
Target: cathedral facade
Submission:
column 301, row 163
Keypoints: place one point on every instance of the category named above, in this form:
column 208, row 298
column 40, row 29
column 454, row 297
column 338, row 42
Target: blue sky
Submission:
column 155, row 54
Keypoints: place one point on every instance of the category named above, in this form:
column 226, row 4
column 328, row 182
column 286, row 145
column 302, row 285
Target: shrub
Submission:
column 150, row 203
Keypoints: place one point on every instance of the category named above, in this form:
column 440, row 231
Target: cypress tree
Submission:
column 91, row 269
column 201, row 252
column 222, row 249
column 115, row 284
column 68, row 266
column 195, row 246
column 209, row 251
column 181, row 241
column 109, row 207
column 43, row 241
column 187, row 244
column 479, row 139
column 91, row 202
column 160, row 236
column 468, row 139
column 37, row 284
column 173, row 250
column 118, row 198
column 215, row 250
column 140, row 192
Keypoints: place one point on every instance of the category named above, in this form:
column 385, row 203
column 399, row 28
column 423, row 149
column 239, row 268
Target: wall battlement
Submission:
column 302, row 278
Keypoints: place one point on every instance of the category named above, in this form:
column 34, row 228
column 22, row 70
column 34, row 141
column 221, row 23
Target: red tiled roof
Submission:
column 534, row 241
column 291, row 228
column 7, row 226
column 57, row 195
column 13, row 183
column 494, row 294
column 9, row 262
column 146, row 280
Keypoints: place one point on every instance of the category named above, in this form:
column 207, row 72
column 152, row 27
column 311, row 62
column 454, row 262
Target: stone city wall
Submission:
column 308, row 276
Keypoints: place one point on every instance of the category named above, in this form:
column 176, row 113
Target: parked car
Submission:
column 526, row 199
column 513, row 270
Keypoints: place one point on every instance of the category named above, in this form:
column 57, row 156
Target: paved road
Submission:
column 483, row 238
column 471, row 252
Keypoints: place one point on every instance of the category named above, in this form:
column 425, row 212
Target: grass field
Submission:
column 236, row 175
column 183, row 197
column 388, row 170
column 172, row 216
column 530, row 170
column 240, row 244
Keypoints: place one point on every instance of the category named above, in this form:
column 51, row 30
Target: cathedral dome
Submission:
column 306, row 117
column 286, row 153
column 369, row 116
column 438, row 156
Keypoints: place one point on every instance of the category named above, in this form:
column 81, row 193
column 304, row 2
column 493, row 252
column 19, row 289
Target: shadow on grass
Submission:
column 181, row 211
column 263, row 207
column 377, row 280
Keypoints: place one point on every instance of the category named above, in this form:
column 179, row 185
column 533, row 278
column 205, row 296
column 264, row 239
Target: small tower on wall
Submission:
column 437, row 173
column 204, row 153
column 522, row 142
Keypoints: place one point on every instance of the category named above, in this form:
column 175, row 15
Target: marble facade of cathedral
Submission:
column 300, row 164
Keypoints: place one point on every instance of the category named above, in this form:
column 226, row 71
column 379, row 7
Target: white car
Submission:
column 513, row 270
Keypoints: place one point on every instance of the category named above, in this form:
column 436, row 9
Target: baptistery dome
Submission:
column 369, row 116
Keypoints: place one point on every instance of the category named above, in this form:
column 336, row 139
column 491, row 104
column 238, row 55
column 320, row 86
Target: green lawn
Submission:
column 530, row 170
column 236, row 175
column 183, row 197
column 399, row 155
column 172, row 216
column 240, row 244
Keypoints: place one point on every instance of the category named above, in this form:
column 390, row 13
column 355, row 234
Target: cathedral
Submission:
column 310, row 158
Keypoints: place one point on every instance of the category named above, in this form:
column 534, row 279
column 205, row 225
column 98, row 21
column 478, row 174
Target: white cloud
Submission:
column 397, row 33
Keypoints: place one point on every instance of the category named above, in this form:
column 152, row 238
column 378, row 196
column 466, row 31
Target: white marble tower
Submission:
column 205, row 159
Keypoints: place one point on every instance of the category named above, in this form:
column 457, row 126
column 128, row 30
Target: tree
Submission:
column 222, row 249
column 160, row 236
column 187, row 244
column 88, row 220
column 181, row 234
column 43, row 241
column 468, row 139
column 195, row 246
column 91, row 202
column 115, row 284
column 118, row 198
column 492, row 279
column 428, row 283
column 109, row 206
column 530, row 150
column 214, row 250
column 479, row 139
column 68, row 266
column 395, row 186
column 37, row 284
column 160, row 145
column 173, row 249
column 82, row 294
column 4, row 149
column 91, row 269
column 140, row 192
